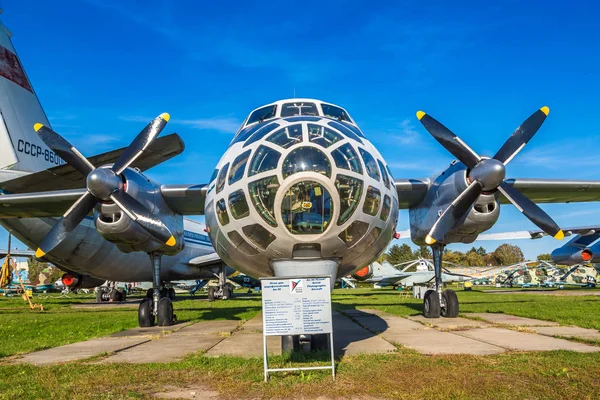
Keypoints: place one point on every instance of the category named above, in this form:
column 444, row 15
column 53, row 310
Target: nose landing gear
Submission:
column 437, row 302
column 158, row 307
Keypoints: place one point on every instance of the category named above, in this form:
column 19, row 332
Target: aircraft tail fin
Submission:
column 388, row 269
column 20, row 147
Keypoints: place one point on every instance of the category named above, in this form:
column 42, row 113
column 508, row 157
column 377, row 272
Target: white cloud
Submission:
column 226, row 125
column 220, row 124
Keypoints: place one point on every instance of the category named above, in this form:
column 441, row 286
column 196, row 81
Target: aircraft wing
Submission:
column 17, row 253
column 65, row 177
column 38, row 205
column 207, row 260
column 412, row 191
column 536, row 234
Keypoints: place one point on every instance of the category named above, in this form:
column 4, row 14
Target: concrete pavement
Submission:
column 355, row 332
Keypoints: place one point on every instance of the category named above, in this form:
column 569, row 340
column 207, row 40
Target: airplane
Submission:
column 408, row 274
column 580, row 249
column 28, row 165
column 299, row 191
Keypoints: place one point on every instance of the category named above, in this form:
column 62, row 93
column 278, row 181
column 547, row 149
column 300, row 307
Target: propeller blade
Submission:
column 449, row 140
column 137, row 212
column 531, row 211
column 140, row 143
column 67, row 223
column 64, row 149
column 455, row 211
column 522, row 135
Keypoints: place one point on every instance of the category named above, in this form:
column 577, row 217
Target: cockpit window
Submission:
column 221, row 178
column 287, row 137
column 345, row 157
column 370, row 164
column 258, row 235
column 345, row 129
column 238, row 204
column 335, row 112
column 238, row 167
column 372, row 201
column 265, row 159
column 262, row 114
column 322, row 136
column 261, row 133
column 350, row 191
column 299, row 108
column 214, row 176
column 307, row 208
column 385, row 210
column 222, row 212
column 386, row 180
column 306, row 159
column 262, row 195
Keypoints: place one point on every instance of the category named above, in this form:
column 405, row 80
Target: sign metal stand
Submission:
column 296, row 306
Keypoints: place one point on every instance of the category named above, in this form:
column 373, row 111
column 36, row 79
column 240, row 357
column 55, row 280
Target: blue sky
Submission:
column 100, row 67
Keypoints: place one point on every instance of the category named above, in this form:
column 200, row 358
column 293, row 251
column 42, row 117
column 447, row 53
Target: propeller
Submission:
column 488, row 175
column 103, row 184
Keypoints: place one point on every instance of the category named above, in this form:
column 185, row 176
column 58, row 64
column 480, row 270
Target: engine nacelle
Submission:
column 75, row 281
column 443, row 191
column 117, row 227
column 363, row 274
column 571, row 255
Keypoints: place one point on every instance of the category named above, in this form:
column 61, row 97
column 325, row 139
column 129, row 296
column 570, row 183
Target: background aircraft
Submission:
column 300, row 190
column 407, row 274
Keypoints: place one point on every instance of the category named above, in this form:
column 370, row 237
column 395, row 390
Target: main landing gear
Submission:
column 157, row 307
column 437, row 302
column 222, row 291
column 110, row 293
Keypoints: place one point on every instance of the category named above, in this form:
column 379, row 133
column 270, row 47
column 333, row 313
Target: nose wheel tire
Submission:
column 450, row 310
column 431, row 304
column 165, row 312
column 145, row 316
column 211, row 293
column 171, row 294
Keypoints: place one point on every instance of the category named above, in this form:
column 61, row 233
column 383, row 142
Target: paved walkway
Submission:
column 355, row 332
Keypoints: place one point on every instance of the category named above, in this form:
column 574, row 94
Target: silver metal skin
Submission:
column 289, row 252
column 442, row 191
column 85, row 252
column 571, row 252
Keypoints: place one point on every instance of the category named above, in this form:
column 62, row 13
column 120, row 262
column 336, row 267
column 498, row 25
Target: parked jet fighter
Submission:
column 417, row 272
column 299, row 191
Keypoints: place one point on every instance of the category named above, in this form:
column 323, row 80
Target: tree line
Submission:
column 505, row 254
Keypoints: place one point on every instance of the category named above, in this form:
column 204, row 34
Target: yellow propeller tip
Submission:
column 38, row 126
column 429, row 240
column 560, row 235
column 420, row 114
column 39, row 253
column 165, row 116
column 171, row 242
column 545, row 110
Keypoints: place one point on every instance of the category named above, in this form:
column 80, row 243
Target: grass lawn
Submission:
column 405, row 374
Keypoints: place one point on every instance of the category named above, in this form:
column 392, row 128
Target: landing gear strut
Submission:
column 222, row 291
column 438, row 302
column 158, row 307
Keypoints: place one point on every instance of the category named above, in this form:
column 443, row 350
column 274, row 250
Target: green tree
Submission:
column 422, row 252
column 544, row 257
column 398, row 254
column 455, row 257
column 474, row 259
column 507, row 254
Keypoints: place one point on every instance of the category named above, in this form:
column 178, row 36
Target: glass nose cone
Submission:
column 307, row 208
